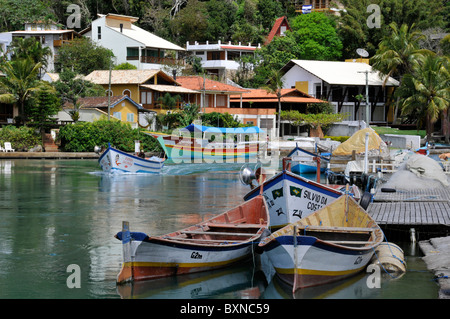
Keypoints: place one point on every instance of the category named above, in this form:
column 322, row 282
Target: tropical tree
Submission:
column 274, row 86
column 43, row 104
column 22, row 48
column 70, row 88
column 428, row 86
column 316, row 37
column 168, row 101
column 82, row 56
column 20, row 81
column 315, row 121
column 355, row 33
column 396, row 53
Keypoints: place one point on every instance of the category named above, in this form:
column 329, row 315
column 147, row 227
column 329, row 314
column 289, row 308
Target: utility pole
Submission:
column 109, row 90
column 367, row 97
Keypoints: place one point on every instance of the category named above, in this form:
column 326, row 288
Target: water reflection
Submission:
column 232, row 282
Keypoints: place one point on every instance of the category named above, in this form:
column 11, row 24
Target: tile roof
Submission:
column 275, row 28
column 287, row 95
column 196, row 83
column 121, row 76
column 101, row 102
column 168, row 88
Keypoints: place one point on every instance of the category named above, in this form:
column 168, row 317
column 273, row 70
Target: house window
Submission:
column 132, row 53
column 221, row 101
column 118, row 115
column 215, row 55
column 130, row 117
column 127, row 93
column 146, row 97
column 99, row 32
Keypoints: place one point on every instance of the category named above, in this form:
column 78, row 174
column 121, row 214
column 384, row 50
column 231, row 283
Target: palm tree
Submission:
column 23, row 48
column 20, row 80
column 396, row 53
column 429, row 90
column 274, row 86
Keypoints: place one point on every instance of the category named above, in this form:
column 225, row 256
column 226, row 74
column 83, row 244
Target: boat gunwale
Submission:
column 161, row 162
column 376, row 233
column 168, row 239
column 282, row 175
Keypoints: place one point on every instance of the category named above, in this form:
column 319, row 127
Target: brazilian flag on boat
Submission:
column 295, row 191
column 277, row 193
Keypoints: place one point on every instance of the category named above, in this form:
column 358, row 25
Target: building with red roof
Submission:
column 280, row 26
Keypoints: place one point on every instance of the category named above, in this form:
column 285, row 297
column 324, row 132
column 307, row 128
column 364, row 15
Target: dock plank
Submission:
column 410, row 213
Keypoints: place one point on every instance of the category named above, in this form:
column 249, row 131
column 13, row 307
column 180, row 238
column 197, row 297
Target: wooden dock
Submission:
column 426, row 208
column 48, row 155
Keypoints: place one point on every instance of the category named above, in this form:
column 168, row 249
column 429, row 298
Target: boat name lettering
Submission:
column 314, row 197
column 313, row 206
column 269, row 201
column 297, row 212
column 358, row 260
column 279, row 211
column 196, row 255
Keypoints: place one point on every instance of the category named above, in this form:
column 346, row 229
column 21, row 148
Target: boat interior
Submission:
column 240, row 224
column 344, row 236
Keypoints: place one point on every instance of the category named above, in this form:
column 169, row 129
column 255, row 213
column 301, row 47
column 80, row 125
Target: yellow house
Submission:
column 121, row 108
column 143, row 86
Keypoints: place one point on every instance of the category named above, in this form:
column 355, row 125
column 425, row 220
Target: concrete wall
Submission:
column 402, row 141
column 345, row 128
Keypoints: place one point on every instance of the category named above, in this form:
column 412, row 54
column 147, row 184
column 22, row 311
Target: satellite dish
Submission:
column 362, row 53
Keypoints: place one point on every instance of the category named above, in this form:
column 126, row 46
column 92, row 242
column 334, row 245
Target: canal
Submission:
column 59, row 218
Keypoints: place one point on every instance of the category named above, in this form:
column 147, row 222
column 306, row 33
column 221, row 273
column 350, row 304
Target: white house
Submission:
column 341, row 83
column 220, row 58
column 130, row 43
column 49, row 34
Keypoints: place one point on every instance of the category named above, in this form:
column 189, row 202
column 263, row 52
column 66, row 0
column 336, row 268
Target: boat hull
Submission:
column 113, row 160
column 291, row 197
column 304, row 162
column 317, row 262
column 157, row 259
column 215, row 243
column 333, row 243
column 190, row 150
column 306, row 167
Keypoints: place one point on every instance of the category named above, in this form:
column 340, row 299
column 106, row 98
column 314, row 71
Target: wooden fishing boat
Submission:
column 188, row 149
column 333, row 243
column 305, row 162
column 218, row 242
column 114, row 160
column 291, row 197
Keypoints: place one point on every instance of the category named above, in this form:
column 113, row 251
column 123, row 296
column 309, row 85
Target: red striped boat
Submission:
column 218, row 242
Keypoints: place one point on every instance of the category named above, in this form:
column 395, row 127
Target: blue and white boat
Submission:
column 114, row 160
column 291, row 197
column 305, row 162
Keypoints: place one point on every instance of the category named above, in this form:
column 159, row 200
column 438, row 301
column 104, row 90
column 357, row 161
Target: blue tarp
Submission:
column 223, row 130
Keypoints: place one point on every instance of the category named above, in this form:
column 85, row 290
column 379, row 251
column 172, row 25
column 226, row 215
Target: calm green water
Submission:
column 56, row 213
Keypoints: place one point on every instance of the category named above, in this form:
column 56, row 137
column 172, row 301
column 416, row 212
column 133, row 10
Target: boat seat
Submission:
column 208, row 240
column 346, row 242
column 224, row 225
column 218, row 233
column 332, row 228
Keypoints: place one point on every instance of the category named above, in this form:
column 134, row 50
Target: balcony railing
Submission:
column 154, row 60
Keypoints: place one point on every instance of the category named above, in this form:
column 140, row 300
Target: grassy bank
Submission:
column 388, row 130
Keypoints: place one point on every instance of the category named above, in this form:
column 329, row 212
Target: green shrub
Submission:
column 84, row 136
column 341, row 139
column 22, row 138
